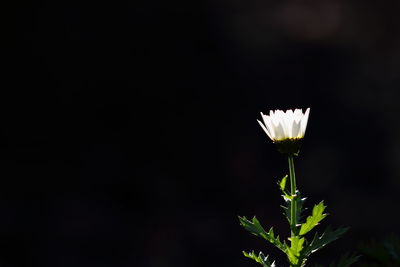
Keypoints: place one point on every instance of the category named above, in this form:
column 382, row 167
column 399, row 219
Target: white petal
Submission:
column 279, row 133
column 296, row 129
column 275, row 118
column 304, row 121
column 298, row 112
column 290, row 119
column 269, row 125
column 265, row 129
column 283, row 120
column 297, row 115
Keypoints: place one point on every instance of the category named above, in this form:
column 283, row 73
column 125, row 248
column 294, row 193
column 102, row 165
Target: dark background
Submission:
column 129, row 133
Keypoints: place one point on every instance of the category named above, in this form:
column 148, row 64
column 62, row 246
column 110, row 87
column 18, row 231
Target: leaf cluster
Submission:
column 298, row 248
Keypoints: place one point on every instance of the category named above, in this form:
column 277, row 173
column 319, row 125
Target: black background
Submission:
column 129, row 133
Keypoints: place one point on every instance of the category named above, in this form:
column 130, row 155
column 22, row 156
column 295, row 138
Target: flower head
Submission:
column 286, row 129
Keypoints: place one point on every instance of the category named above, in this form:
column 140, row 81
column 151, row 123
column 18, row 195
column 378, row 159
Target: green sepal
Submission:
column 289, row 146
column 260, row 258
column 255, row 228
column 314, row 219
column 319, row 241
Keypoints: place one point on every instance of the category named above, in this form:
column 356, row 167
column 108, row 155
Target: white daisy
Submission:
column 280, row 126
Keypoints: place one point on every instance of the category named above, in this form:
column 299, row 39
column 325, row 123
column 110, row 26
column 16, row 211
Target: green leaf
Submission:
column 383, row 253
column 260, row 258
column 375, row 252
column 313, row 220
column 319, row 241
column 346, row 261
column 255, row 228
column 392, row 245
column 294, row 251
column 282, row 184
column 299, row 204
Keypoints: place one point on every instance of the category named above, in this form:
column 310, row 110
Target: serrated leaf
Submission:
column 375, row 252
column 345, row 261
column 313, row 220
column 255, row 228
column 260, row 258
column 392, row 245
column 294, row 251
column 319, row 241
column 299, row 207
column 384, row 252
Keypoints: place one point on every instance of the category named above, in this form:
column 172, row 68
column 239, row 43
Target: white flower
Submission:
column 280, row 126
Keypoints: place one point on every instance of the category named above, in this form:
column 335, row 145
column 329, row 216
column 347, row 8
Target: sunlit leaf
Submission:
column 260, row 258
column 319, row 241
column 282, row 183
column 294, row 251
column 313, row 220
column 299, row 207
column 255, row 228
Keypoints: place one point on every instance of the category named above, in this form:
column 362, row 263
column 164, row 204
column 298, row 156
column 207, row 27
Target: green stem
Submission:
column 293, row 208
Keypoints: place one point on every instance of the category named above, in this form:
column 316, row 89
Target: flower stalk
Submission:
column 293, row 204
